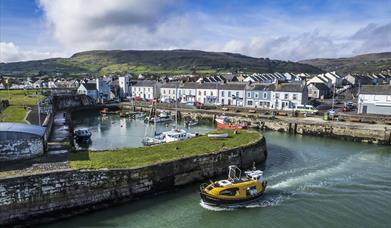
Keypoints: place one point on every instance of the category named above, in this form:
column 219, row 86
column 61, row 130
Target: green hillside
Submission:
column 153, row 62
column 368, row 63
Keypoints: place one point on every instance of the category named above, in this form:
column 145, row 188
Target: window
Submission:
column 237, row 94
column 249, row 103
column 294, row 96
column 169, row 91
column 248, row 94
column 222, row 93
column 149, row 89
column 264, row 95
column 286, row 96
column 211, row 93
column 277, row 95
column 256, row 94
column 229, row 93
column 199, row 93
column 204, row 93
column 180, row 92
column 229, row 192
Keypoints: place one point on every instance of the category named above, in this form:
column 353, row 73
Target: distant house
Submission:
column 52, row 85
column 125, row 87
column 207, row 93
column 318, row 90
column 359, row 79
column 88, row 89
column 232, row 94
column 374, row 99
column 287, row 96
column 104, row 90
column 335, row 78
column 258, row 95
column 321, row 79
column 146, row 89
column 171, row 91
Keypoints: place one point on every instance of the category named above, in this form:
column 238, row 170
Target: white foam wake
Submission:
column 314, row 175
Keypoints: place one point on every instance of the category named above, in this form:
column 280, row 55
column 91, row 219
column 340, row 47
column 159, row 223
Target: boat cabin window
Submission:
column 229, row 192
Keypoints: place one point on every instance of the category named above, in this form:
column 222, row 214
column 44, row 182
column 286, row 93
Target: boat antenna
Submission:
column 254, row 168
column 176, row 106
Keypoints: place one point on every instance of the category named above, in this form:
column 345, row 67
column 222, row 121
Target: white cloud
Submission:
column 9, row 52
column 95, row 24
column 78, row 25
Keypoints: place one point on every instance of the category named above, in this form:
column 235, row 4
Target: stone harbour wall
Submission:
column 16, row 149
column 367, row 133
column 341, row 131
column 41, row 197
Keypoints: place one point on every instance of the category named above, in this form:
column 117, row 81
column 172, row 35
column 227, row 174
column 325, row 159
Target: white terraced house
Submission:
column 207, row 93
column 287, row 96
column 146, row 89
column 232, row 94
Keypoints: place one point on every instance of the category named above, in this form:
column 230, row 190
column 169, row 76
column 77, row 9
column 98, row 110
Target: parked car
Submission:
column 199, row 105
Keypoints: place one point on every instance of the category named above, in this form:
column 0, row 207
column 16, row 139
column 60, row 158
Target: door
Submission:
column 364, row 109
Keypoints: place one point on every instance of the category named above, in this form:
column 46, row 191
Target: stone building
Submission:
column 21, row 141
column 318, row 90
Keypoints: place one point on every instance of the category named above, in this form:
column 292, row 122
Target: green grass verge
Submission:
column 18, row 100
column 142, row 156
column 21, row 97
column 13, row 114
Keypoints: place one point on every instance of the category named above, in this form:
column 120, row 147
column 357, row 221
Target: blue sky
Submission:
column 279, row 29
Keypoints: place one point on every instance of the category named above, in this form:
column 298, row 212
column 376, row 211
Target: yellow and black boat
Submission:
column 234, row 190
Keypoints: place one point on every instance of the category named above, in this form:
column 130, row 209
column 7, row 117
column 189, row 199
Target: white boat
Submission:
column 177, row 135
column 218, row 135
column 150, row 141
column 161, row 118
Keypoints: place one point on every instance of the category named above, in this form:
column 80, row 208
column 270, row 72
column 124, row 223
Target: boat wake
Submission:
column 317, row 175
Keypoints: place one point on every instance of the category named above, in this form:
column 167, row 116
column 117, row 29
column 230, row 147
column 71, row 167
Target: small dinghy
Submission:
column 82, row 134
column 191, row 123
column 218, row 135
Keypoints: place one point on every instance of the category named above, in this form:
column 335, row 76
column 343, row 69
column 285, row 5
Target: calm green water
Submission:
column 112, row 131
column 313, row 182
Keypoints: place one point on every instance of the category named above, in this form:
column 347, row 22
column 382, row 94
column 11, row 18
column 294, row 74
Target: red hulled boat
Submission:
column 223, row 122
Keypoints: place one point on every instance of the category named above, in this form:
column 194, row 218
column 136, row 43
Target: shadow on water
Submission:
column 277, row 156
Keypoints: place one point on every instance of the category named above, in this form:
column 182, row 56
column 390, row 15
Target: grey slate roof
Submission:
column 90, row 86
column 289, row 87
column 23, row 128
column 263, row 87
column 376, row 89
column 145, row 83
column 320, row 86
column 233, row 86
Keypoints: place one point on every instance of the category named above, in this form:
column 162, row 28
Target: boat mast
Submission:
column 176, row 106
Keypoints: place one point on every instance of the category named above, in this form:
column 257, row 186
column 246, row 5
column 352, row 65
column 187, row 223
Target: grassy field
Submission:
column 136, row 157
column 18, row 99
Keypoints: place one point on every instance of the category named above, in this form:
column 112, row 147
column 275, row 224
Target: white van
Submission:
column 306, row 109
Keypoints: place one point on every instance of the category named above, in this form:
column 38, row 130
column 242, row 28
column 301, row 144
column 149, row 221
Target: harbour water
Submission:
column 312, row 182
column 112, row 131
